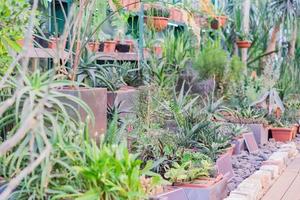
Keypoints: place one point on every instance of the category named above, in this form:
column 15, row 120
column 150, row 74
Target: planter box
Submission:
column 224, row 166
column 282, row 134
column 240, row 145
column 260, row 132
column 216, row 192
column 126, row 98
column 96, row 99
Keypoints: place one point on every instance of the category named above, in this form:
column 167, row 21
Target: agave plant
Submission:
column 40, row 112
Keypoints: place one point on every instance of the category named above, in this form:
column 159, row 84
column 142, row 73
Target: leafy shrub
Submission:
column 13, row 18
column 211, row 61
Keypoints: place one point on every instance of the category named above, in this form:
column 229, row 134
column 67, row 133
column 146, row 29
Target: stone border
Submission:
column 256, row 185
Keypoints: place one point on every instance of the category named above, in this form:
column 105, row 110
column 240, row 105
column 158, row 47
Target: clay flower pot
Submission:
column 282, row 134
column 21, row 42
column 131, row 44
column 176, row 15
column 243, row 44
column 201, row 182
column 158, row 23
column 109, row 46
column 93, row 46
column 53, row 43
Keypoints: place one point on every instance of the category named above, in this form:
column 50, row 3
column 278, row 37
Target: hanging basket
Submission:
column 157, row 23
column 244, row 44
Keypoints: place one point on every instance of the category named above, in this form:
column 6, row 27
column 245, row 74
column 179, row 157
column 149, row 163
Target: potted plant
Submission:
column 198, row 179
column 157, row 18
column 109, row 46
column 243, row 41
column 281, row 129
column 192, row 172
column 236, row 132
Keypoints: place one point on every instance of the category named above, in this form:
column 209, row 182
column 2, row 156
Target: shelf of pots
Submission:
column 40, row 47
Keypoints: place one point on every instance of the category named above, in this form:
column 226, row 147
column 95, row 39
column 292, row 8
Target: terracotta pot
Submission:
column 158, row 23
column 201, row 182
column 109, row 46
column 282, row 134
column 93, row 46
column 53, row 43
column 21, row 42
column 245, row 44
column 176, row 15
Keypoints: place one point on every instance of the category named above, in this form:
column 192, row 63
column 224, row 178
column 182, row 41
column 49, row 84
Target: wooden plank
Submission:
column 293, row 192
column 294, row 166
column 280, row 187
column 119, row 56
column 45, row 53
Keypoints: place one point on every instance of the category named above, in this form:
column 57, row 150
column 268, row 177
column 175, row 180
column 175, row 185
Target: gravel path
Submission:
column 245, row 164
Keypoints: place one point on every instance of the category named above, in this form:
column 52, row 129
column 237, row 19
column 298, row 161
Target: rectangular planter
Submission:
column 216, row 192
column 96, row 99
column 240, row 145
column 126, row 98
column 260, row 132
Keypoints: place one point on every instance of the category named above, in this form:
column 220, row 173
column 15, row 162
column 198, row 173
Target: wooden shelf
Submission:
column 119, row 56
column 45, row 53
column 52, row 53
